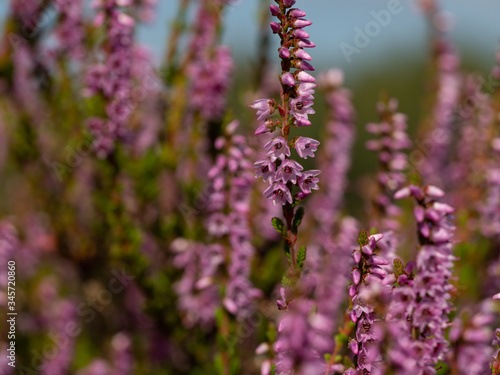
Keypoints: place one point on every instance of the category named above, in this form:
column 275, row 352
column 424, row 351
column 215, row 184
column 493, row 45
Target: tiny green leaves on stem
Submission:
column 301, row 257
column 398, row 267
column 363, row 238
column 299, row 215
column 278, row 225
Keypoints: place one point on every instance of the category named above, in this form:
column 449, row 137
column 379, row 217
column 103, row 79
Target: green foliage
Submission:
column 398, row 267
column 301, row 257
column 363, row 238
column 278, row 225
column 299, row 215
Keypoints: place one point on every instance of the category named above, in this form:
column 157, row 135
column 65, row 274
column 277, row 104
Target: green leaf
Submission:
column 285, row 281
column 301, row 257
column 327, row 357
column 286, row 249
column 299, row 215
column 363, row 238
column 278, row 225
column 398, row 267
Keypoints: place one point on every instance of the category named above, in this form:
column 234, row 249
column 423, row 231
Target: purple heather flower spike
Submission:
column 306, row 147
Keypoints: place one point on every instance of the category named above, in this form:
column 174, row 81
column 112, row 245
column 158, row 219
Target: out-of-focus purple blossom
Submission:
column 209, row 66
column 8, row 244
column 434, row 265
column 62, row 316
column 389, row 145
column 70, row 31
column 335, row 158
column 471, row 342
column 122, row 357
column 439, row 130
column 113, row 77
column 329, row 262
column 297, row 341
column 229, row 204
column 198, row 294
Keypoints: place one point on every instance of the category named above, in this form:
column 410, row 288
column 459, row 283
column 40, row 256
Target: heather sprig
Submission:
column 228, row 220
column 366, row 275
column 289, row 183
column 112, row 78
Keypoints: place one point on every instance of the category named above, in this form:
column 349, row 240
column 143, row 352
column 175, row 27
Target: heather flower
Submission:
column 279, row 193
column 277, row 149
column 265, row 169
column 308, row 181
column 306, row 147
column 289, row 170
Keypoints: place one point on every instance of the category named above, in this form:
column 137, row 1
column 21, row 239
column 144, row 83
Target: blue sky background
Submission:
column 476, row 31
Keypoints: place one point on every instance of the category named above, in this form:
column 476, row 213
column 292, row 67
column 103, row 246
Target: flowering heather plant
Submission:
column 297, row 88
column 146, row 209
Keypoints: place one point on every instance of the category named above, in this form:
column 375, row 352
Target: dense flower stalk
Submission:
column 123, row 360
column 335, row 158
column 434, row 265
column 281, row 171
column 471, row 343
column 489, row 208
column 366, row 274
column 70, row 31
column 297, row 341
column 437, row 138
column 229, row 205
column 113, row 77
column 198, row 293
column 209, row 65
column 332, row 275
column 389, row 145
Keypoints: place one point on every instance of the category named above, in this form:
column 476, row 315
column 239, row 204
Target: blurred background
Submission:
column 112, row 218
